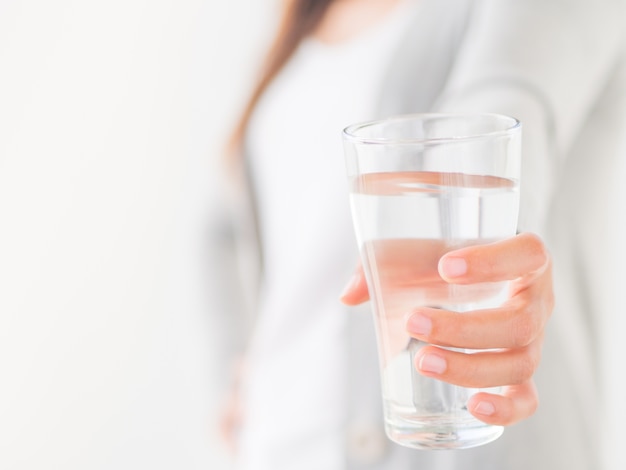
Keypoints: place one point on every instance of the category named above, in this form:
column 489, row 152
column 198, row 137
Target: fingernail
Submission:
column 485, row 408
column 453, row 267
column 432, row 363
column 352, row 283
column 419, row 324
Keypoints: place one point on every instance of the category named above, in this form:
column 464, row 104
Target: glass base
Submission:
column 436, row 433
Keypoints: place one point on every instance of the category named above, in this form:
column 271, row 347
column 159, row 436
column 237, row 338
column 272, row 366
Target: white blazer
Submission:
column 560, row 67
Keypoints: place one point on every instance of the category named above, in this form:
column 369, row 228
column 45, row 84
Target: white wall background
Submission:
column 112, row 114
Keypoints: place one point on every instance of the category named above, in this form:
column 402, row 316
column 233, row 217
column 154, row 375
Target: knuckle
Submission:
column 525, row 367
column 533, row 405
column 525, row 328
column 537, row 249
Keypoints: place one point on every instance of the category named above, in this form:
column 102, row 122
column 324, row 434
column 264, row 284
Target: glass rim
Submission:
column 350, row 133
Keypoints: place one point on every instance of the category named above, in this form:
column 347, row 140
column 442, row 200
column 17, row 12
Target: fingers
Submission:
column 517, row 403
column 512, row 333
column 480, row 369
column 521, row 258
column 355, row 291
column 519, row 400
column 504, row 260
column 516, row 324
column 229, row 422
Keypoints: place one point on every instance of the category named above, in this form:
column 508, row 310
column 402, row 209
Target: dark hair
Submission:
column 300, row 19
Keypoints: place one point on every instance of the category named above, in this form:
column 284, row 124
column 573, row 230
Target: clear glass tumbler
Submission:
column 420, row 186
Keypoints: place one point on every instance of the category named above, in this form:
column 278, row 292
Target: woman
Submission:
column 309, row 395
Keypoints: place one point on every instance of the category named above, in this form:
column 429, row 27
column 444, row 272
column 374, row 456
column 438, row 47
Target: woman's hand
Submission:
column 515, row 329
column 231, row 414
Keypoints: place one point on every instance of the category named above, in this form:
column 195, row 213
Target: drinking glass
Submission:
column 420, row 186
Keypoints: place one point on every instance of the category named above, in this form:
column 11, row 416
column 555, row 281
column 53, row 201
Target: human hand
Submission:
column 512, row 332
column 230, row 415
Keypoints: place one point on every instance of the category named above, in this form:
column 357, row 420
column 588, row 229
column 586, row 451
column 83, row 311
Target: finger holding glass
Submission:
column 515, row 328
column 513, row 332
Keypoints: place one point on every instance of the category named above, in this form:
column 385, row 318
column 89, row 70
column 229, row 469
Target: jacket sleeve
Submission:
column 545, row 63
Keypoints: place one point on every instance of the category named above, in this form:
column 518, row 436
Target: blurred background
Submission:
column 112, row 116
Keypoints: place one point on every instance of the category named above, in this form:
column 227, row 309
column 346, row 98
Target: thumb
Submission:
column 355, row 291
